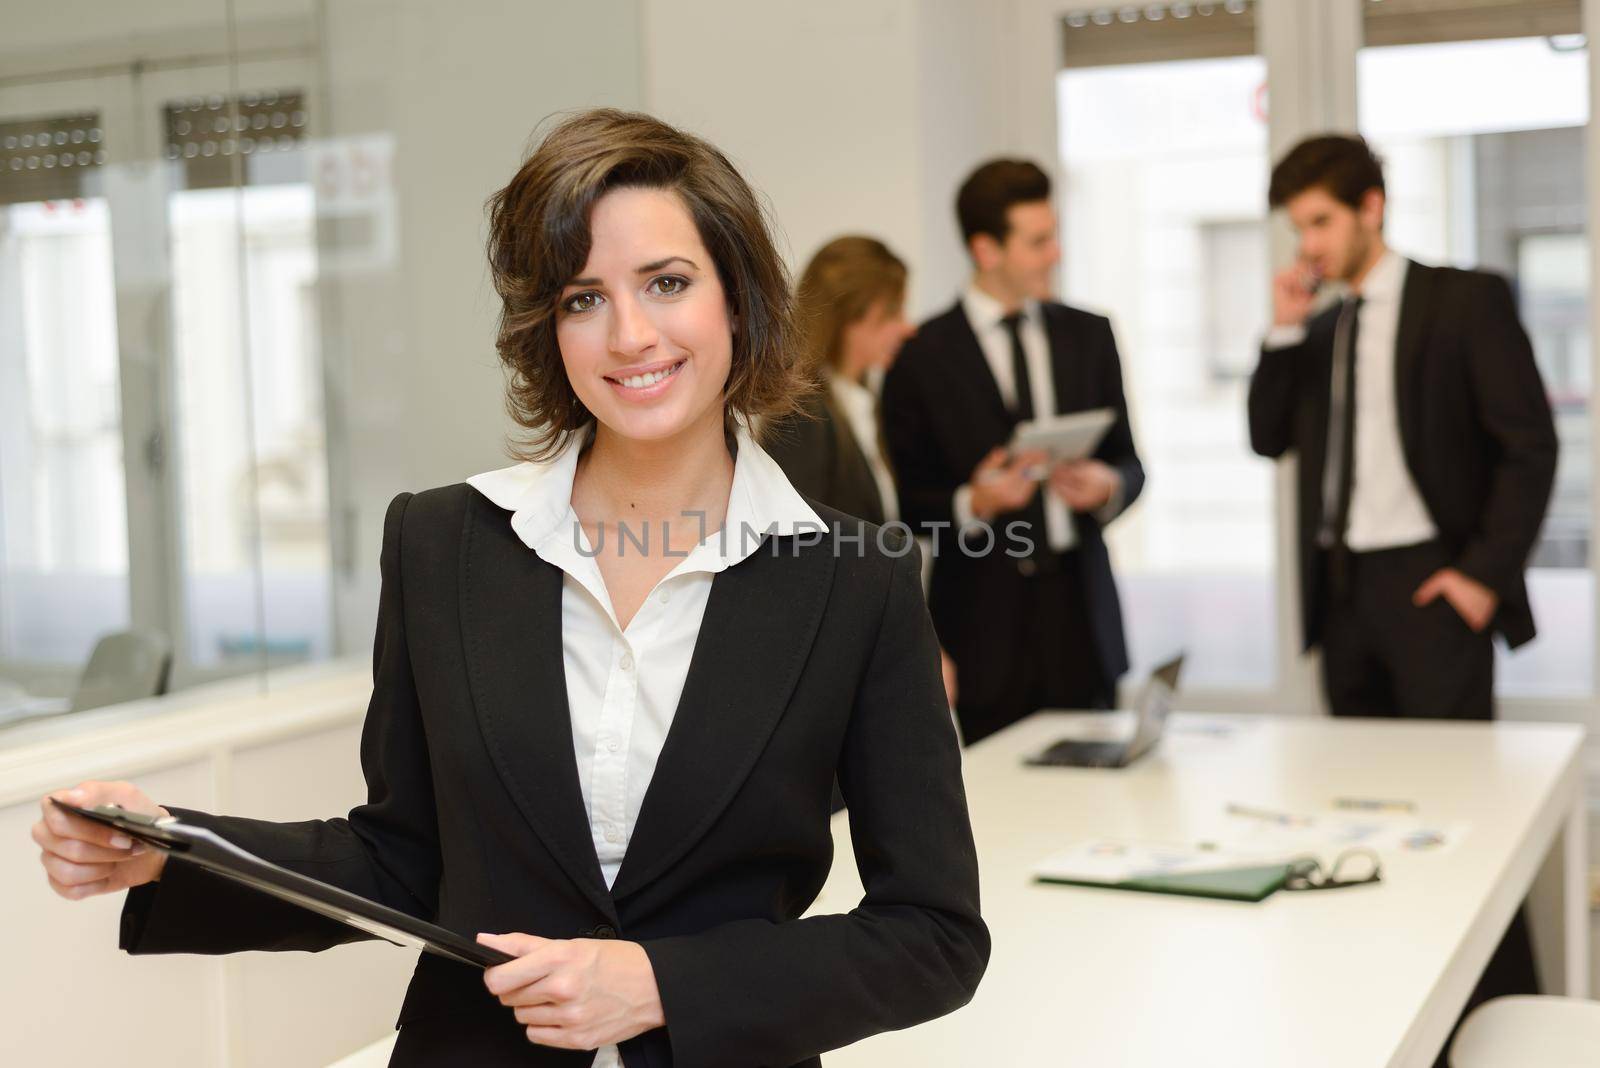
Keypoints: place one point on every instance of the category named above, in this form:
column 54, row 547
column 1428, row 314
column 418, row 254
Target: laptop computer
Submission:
column 1150, row 719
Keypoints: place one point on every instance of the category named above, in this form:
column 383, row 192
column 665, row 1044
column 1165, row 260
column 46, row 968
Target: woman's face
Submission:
column 874, row 340
column 644, row 329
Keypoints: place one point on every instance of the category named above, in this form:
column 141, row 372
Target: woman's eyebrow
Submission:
column 645, row 269
column 658, row 264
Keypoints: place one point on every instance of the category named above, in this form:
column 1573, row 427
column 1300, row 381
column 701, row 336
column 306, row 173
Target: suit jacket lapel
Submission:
column 1318, row 353
column 759, row 624
column 511, row 628
column 1416, row 307
column 857, row 485
column 1065, row 372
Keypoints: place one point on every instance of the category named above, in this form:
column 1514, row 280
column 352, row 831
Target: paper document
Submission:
column 1264, row 832
column 1104, row 860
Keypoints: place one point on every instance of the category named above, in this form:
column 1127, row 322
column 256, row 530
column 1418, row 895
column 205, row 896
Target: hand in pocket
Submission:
column 1474, row 602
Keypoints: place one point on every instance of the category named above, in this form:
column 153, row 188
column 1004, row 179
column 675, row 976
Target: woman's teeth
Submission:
column 641, row 381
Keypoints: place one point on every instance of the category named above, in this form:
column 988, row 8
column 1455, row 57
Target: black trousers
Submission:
column 1383, row 656
column 1044, row 656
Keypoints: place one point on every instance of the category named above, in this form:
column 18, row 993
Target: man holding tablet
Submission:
column 1022, row 593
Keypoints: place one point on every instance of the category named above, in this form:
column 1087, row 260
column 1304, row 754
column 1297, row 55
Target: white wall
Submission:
column 813, row 102
column 852, row 116
column 964, row 118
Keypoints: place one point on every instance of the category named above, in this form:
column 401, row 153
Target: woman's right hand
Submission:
column 82, row 859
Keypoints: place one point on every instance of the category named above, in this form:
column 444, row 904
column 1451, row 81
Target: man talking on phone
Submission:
column 1425, row 442
column 1021, row 593
column 1426, row 455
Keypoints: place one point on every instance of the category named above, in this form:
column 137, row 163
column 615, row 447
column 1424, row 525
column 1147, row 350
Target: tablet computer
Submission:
column 1064, row 437
column 187, row 843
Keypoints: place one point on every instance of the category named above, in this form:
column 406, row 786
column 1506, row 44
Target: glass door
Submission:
column 163, row 463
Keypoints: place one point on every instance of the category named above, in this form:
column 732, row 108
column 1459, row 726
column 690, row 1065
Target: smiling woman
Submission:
column 601, row 731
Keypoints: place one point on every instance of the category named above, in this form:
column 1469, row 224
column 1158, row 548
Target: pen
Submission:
column 1367, row 804
column 1265, row 814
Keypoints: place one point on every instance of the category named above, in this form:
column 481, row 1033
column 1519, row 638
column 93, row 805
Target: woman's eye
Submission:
column 669, row 285
column 581, row 302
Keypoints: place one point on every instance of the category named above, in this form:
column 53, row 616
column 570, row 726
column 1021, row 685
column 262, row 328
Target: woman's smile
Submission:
column 646, row 382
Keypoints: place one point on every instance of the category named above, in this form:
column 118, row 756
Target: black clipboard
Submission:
column 190, row 844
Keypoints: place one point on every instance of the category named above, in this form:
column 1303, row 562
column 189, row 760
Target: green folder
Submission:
column 1229, row 884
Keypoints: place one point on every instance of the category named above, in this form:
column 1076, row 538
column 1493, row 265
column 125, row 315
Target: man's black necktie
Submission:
column 1023, row 407
column 1338, row 480
column 1033, row 512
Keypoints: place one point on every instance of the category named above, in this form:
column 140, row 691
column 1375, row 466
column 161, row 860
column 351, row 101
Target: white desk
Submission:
column 1357, row 978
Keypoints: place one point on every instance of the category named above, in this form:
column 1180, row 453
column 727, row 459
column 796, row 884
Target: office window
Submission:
column 63, row 518
column 1163, row 210
column 163, row 436
column 62, row 515
column 1481, row 177
column 252, row 454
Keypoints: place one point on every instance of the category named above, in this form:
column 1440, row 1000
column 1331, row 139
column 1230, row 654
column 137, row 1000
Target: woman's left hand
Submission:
column 578, row 993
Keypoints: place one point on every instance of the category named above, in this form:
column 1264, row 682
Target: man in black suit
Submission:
column 1426, row 455
column 1029, row 613
column 1426, row 449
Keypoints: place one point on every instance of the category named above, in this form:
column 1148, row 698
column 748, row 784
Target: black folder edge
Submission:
column 203, row 848
column 1252, row 883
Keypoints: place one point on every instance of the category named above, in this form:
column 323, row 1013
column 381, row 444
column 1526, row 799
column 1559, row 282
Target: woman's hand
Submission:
column 82, row 859
column 580, row 993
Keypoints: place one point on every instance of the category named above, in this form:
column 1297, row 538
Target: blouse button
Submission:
column 666, row 595
column 627, row 661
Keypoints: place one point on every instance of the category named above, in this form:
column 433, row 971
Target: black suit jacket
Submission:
column 1475, row 427
column 820, row 454
column 808, row 665
column 942, row 413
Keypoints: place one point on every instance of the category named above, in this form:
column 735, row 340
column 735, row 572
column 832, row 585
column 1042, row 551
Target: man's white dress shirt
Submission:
column 986, row 316
column 1386, row 509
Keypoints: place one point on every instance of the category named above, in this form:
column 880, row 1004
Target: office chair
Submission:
column 1529, row 1032
column 124, row 666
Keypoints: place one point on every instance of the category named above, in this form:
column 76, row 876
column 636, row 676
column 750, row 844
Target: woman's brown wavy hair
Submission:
column 539, row 240
column 841, row 284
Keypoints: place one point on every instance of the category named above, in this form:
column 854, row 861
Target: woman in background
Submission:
column 852, row 318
